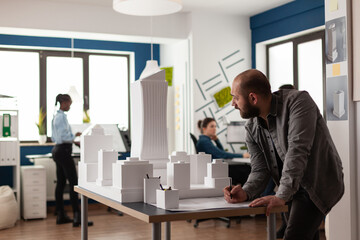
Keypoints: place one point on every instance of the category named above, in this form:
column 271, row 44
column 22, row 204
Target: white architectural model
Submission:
column 179, row 156
column 339, row 103
column 128, row 178
column 198, row 166
column 148, row 119
column 106, row 159
column 92, row 140
column 178, row 175
column 332, row 50
column 217, row 174
column 149, row 155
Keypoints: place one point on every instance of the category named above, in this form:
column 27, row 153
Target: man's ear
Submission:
column 253, row 98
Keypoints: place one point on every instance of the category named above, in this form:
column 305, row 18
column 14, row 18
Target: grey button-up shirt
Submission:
column 302, row 140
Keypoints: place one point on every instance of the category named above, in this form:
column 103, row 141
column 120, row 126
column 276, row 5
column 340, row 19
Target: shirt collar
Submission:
column 272, row 113
column 273, row 105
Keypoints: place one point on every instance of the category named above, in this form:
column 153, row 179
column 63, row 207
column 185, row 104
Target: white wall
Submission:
column 343, row 219
column 91, row 18
column 177, row 55
column 215, row 37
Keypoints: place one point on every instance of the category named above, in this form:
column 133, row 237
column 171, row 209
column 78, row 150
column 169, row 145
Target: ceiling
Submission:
column 236, row 7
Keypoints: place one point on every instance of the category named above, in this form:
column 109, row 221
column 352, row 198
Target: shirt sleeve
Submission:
column 218, row 144
column 259, row 176
column 301, row 134
column 209, row 148
column 63, row 130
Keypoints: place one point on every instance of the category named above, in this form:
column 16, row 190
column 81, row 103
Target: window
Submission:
column 281, row 65
column 100, row 82
column 19, row 77
column 63, row 73
column 299, row 62
column 108, row 90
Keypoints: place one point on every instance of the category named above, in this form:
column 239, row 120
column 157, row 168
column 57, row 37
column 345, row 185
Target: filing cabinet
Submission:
column 33, row 187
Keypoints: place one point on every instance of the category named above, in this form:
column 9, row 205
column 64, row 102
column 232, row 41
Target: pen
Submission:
column 147, row 175
column 161, row 187
column 230, row 188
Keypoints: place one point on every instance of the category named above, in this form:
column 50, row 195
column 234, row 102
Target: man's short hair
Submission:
column 253, row 81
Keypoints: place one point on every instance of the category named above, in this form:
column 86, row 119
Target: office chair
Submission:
column 193, row 138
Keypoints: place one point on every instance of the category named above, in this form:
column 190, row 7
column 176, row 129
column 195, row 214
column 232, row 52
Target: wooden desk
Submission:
column 156, row 216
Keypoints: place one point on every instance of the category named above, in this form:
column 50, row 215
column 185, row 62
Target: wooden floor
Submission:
column 111, row 226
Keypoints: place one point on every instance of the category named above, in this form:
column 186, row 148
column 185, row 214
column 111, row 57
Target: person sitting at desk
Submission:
column 204, row 144
column 65, row 166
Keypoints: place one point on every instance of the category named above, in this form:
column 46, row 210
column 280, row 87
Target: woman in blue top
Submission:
column 205, row 144
column 65, row 166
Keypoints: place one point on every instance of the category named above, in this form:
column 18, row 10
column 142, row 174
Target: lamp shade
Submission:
column 147, row 7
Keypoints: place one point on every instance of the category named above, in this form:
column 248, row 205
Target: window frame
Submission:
column 43, row 54
column 296, row 41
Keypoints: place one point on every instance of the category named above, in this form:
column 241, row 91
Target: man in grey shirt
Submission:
column 288, row 140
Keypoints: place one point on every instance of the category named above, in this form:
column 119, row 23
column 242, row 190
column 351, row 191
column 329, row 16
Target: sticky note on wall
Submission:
column 336, row 69
column 333, row 5
column 223, row 97
column 168, row 74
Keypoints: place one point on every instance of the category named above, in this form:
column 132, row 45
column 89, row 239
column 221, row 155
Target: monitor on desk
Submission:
column 119, row 144
column 236, row 132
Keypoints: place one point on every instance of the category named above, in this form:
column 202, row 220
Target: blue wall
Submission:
column 290, row 18
column 142, row 50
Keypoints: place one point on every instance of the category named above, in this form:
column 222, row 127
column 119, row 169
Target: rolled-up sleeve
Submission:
column 259, row 175
column 301, row 133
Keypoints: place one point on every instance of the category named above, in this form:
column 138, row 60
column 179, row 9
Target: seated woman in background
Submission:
column 204, row 144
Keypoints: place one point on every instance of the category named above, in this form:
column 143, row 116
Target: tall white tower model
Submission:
column 148, row 118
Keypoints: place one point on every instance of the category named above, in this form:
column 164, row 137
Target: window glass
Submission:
column 311, row 71
column 19, row 77
column 64, row 75
column 281, row 65
column 108, row 90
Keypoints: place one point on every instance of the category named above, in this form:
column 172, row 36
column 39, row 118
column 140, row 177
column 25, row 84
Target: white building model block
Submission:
column 217, row 174
column 179, row 156
column 106, row 159
column 92, row 140
column 148, row 119
column 128, row 177
column 198, row 167
column 178, row 175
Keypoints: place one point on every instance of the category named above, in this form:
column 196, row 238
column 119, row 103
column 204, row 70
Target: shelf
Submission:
column 35, row 144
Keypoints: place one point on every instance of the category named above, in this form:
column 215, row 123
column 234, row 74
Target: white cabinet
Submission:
column 33, row 187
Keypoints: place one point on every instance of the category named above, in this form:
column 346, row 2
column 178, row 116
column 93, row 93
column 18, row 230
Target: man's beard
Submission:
column 249, row 111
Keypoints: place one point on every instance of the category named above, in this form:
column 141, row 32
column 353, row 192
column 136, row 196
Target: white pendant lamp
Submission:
column 147, row 7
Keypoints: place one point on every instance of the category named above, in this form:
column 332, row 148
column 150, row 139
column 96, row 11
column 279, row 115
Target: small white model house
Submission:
column 217, row 174
column 178, row 175
column 105, row 160
column 178, row 171
column 179, row 156
column 92, row 140
column 128, row 177
column 198, row 167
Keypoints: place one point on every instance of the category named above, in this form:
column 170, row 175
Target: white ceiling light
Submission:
column 147, row 7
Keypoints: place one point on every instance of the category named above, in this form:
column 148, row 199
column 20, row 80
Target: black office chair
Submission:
column 193, row 138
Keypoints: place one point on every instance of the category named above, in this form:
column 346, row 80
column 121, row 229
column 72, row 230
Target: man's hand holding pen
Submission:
column 234, row 194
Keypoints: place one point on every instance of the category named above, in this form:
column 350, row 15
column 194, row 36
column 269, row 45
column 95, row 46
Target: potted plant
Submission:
column 41, row 126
